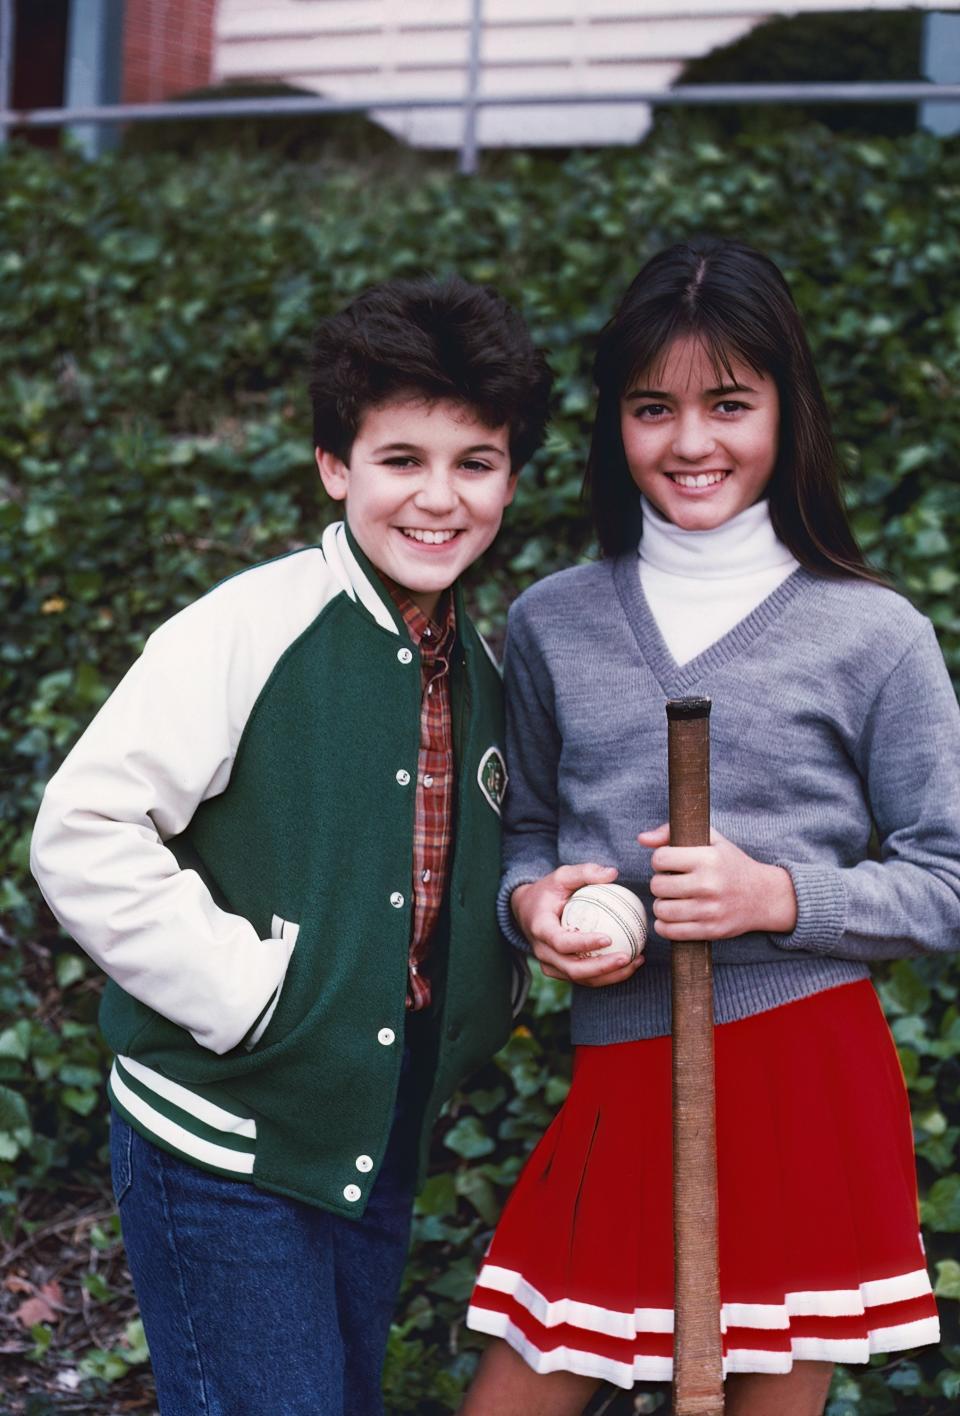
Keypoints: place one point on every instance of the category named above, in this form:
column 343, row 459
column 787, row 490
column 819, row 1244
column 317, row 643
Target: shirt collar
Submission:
column 438, row 632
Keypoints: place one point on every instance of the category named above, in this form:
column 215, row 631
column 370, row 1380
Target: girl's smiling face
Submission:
column 701, row 445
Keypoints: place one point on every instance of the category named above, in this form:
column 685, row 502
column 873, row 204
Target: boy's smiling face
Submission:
column 424, row 491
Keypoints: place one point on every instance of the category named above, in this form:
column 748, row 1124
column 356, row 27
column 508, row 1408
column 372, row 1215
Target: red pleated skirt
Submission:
column 820, row 1250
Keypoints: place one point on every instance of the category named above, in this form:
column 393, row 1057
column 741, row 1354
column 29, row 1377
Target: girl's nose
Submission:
column 693, row 439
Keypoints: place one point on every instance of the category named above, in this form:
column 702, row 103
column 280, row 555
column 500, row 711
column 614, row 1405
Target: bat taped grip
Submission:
column 688, row 767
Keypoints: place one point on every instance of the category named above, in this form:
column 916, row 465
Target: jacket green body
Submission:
column 310, row 843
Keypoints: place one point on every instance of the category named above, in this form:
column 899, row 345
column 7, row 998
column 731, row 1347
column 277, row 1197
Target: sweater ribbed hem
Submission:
column 640, row 1008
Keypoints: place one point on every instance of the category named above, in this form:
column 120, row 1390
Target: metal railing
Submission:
column 471, row 101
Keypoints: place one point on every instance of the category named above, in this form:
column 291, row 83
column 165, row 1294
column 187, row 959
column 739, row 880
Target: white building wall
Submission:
column 420, row 49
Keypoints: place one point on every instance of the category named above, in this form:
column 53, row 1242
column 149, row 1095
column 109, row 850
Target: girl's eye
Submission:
column 650, row 411
column 731, row 405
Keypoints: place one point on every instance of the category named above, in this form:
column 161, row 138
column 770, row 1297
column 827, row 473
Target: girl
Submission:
column 833, row 717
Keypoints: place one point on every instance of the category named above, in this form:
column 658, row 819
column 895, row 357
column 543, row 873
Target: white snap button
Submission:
column 351, row 1192
column 403, row 777
column 386, row 1036
column 364, row 1164
column 428, row 780
column 425, row 875
column 404, row 655
column 396, row 899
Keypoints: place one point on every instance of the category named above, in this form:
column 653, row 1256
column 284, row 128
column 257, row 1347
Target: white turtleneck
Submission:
column 699, row 584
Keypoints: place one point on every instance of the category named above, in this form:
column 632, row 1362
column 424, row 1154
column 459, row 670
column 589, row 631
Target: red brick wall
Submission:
column 167, row 48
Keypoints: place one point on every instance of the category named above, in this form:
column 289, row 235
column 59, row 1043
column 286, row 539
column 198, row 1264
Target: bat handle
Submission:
column 688, row 767
column 698, row 1369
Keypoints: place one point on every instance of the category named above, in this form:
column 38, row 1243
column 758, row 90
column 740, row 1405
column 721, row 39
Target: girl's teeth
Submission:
column 431, row 538
column 701, row 479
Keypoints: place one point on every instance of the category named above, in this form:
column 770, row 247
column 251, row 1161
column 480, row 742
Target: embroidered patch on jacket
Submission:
column 492, row 776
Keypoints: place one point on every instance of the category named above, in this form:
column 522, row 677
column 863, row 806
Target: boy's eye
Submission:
column 473, row 464
column 399, row 462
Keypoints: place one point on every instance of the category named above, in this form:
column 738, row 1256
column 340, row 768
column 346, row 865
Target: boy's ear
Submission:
column 333, row 473
column 511, row 488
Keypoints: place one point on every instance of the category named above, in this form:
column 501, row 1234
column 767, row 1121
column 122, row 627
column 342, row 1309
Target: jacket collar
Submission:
column 359, row 578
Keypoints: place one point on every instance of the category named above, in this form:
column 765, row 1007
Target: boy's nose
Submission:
column 436, row 493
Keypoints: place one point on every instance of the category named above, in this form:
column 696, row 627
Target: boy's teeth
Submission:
column 432, row 538
column 699, row 479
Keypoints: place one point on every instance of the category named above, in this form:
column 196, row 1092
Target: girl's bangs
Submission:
column 650, row 352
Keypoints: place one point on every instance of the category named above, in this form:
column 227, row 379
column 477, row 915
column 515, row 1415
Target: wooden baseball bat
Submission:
column 697, row 1351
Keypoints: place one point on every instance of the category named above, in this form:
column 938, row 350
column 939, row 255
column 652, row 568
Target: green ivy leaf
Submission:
column 904, row 991
column 15, row 1041
column 948, row 1279
column 438, row 1195
column 456, row 1283
column 475, row 1187
column 82, row 1102
column 940, row 1209
column 468, row 1139
column 70, row 968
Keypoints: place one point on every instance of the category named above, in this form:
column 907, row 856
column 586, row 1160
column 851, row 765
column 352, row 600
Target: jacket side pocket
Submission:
column 287, row 931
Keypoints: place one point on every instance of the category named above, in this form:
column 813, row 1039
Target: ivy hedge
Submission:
column 154, row 437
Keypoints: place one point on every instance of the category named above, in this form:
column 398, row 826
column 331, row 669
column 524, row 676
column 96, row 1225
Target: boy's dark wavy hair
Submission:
column 439, row 339
column 737, row 303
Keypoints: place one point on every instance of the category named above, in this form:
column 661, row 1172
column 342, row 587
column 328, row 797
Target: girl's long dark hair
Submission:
column 736, row 302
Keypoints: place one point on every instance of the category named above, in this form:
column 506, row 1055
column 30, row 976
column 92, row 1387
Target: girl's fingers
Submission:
column 579, row 970
column 566, row 945
column 573, row 941
column 571, row 877
column 610, row 975
column 679, row 860
column 660, row 836
column 674, row 887
column 583, row 969
column 681, row 932
column 683, row 911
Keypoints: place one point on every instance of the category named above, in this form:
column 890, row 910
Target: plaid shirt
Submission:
column 433, row 819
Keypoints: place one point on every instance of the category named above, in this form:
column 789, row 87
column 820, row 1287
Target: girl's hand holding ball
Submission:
column 538, row 908
column 716, row 891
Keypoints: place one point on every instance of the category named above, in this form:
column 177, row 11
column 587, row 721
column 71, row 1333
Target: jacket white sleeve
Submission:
column 163, row 743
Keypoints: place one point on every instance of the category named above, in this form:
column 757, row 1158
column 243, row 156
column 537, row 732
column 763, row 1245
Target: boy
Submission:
column 280, row 840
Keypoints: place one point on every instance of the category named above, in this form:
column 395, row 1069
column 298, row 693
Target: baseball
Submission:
column 608, row 909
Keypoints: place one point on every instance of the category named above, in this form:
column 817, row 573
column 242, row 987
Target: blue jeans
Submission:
column 254, row 1304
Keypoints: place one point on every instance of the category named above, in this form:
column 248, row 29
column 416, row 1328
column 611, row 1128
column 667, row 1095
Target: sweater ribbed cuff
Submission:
column 524, row 874
column 821, row 909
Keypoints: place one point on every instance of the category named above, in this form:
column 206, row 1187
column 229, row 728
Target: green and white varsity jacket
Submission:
column 231, row 842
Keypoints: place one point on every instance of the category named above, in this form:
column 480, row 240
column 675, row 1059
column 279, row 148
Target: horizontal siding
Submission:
column 514, row 48
column 542, row 78
column 419, row 48
column 241, row 17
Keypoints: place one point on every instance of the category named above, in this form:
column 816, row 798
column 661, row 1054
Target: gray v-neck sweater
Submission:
column 833, row 716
